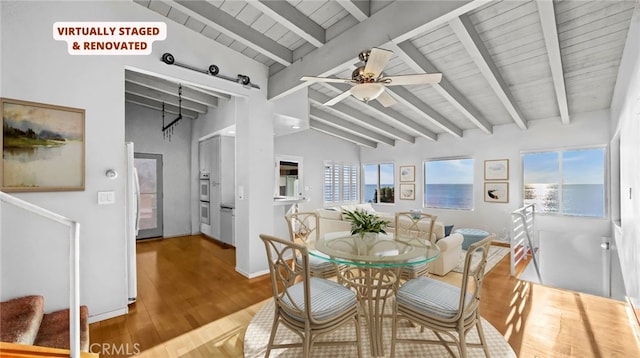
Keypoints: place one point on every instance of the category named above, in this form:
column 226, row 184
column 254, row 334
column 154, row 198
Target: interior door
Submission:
column 149, row 167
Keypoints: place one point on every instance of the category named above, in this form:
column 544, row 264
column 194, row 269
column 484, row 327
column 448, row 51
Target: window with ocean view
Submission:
column 340, row 182
column 448, row 184
column 569, row 182
column 379, row 183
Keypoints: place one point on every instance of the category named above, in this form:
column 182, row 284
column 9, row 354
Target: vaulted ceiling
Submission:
column 502, row 61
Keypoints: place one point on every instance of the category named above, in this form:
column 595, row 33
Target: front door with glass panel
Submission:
column 149, row 167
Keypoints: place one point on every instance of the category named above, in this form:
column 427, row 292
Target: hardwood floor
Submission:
column 183, row 283
column 190, row 282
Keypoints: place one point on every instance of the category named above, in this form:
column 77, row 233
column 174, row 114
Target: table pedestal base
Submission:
column 373, row 286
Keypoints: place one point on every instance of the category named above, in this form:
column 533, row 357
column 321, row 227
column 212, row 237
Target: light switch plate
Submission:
column 106, row 197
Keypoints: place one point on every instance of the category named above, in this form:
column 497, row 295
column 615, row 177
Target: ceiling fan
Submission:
column 368, row 81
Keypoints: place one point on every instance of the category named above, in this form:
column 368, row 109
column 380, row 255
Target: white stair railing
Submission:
column 74, row 264
column 523, row 240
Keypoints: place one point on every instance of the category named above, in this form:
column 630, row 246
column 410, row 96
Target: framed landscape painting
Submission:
column 42, row 147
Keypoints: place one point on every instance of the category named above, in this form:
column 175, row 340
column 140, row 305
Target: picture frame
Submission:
column 43, row 147
column 496, row 192
column 407, row 192
column 407, row 173
column 496, row 169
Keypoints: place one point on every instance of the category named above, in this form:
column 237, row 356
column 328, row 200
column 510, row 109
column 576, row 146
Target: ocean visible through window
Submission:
column 449, row 184
column 568, row 182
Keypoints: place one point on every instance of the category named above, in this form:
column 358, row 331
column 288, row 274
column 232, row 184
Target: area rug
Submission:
column 257, row 336
column 496, row 253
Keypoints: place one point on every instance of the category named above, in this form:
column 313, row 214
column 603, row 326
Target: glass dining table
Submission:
column 372, row 265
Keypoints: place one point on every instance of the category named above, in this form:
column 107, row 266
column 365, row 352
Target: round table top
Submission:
column 376, row 250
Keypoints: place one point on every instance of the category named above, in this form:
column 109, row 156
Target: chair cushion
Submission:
column 328, row 298
column 316, row 263
column 430, row 296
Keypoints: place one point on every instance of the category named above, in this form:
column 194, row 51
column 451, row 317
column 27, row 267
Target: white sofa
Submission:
column 331, row 220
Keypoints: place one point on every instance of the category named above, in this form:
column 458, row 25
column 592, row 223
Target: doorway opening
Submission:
column 149, row 167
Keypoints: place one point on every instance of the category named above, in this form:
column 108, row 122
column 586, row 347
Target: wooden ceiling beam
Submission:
column 338, row 122
column 327, row 129
column 404, row 96
column 234, row 28
column 470, row 39
column 355, row 115
column 157, row 105
column 169, row 98
column 359, row 9
column 550, row 32
column 295, row 21
column 416, row 60
column 397, row 22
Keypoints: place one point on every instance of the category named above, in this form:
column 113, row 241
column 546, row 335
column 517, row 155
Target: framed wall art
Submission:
column 408, row 173
column 496, row 169
column 407, row 192
column 43, row 147
column 496, row 192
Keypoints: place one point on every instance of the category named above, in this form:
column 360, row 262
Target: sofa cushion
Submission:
column 329, row 214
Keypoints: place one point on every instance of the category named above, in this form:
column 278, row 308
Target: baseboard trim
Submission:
column 252, row 275
column 107, row 315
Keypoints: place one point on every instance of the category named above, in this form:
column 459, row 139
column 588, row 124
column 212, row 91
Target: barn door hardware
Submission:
column 213, row 70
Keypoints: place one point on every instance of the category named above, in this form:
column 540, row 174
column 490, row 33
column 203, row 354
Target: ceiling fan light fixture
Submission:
column 367, row 91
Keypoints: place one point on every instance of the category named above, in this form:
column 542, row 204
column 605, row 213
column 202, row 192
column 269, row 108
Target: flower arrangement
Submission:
column 363, row 222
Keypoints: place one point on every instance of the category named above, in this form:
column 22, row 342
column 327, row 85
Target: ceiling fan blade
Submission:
column 378, row 58
column 417, row 79
column 386, row 100
column 325, row 79
column 338, row 98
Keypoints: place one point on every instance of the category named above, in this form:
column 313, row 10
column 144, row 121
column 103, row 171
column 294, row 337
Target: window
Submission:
column 448, row 184
column 569, row 182
column 340, row 182
column 379, row 183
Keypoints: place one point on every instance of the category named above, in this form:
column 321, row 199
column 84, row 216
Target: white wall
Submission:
column 625, row 113
column 507, row 142
column 314, row 147
column 37, row 68
column 143, row 127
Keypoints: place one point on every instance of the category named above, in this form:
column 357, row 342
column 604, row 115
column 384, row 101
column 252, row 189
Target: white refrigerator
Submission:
column 132, row 223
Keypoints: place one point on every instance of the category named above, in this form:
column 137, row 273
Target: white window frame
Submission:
column 424, row 182
column 560, row 212
column 378, row 181
column 337, row 185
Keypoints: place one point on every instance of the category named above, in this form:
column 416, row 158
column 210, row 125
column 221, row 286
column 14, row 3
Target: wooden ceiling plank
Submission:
column 354, row 114
column 143, row 91
column 412, row 57
column 294, row 20
column 348, row 126
column 358, row 9
column 550, row 32
column 404, row 96
column 391, row 114
column 377, row 30
column 474, row 45
column 209, row 98
column 327, row 129
column 236, row 29
column 157, row 105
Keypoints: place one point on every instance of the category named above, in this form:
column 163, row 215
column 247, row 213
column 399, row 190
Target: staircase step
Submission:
column 20, row 319
column 54, row 330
